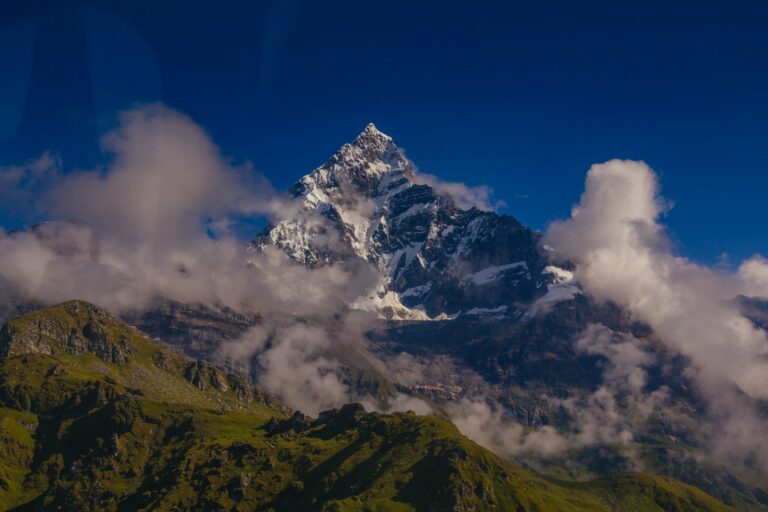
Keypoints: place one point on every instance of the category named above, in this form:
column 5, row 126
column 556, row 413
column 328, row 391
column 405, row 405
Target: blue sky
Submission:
column 521, row 96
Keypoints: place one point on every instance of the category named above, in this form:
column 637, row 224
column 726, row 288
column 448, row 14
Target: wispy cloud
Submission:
column 465, row 196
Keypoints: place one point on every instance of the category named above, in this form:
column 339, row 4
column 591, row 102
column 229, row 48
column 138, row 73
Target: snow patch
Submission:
column 412, row 211
column 487, row 311
column 490, row 274
column 417, row 291
column 563, row 289
column 560, row 275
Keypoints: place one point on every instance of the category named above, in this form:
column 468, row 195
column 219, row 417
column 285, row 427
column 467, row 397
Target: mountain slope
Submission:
column 93, row 416
column 88, row 342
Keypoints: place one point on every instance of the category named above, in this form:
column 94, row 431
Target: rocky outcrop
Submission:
column 76, row 327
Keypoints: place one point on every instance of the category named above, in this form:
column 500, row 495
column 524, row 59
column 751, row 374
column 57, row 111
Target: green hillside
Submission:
column 93, row 416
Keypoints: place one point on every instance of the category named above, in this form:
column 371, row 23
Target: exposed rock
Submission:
column 81, row 328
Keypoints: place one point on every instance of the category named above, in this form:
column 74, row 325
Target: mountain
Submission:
column 468, row 314
column 473, row 304
column 95, row 416
column 434, row 258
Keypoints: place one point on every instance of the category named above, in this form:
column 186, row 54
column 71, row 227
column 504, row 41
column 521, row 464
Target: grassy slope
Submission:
column 78, row 432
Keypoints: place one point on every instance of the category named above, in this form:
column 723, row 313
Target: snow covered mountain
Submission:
column 512, row 343
column 435, row 259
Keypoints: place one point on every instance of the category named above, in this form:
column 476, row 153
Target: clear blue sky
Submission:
column 521, row 96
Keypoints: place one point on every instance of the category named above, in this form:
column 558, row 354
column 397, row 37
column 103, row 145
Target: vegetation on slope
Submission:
column 93, row 416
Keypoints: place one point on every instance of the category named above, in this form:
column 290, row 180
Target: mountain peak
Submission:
column 370, row 165
column 371, row 132
column 372, row 142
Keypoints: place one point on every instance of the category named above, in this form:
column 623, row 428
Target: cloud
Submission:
column 16, row 178
column 609, row 415
column 293, row 364
column 165, row 179
column 465, row 196
column 486, row 425
column 20, row 185
column 621, row 404
column 622, row 254
column 753, row 274
column 302, row 361
column 626, row 357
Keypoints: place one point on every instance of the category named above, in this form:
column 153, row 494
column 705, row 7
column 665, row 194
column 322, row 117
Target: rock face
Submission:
column 367, row 201
column 77, row 328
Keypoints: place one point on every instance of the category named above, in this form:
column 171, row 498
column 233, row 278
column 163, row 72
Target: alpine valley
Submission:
column 489, row 378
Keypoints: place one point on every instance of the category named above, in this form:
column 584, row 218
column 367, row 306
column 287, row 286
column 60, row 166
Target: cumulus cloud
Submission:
column 622, row 254
column 465, row 196
column 165, row 179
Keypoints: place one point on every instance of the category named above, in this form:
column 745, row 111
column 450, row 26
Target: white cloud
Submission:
column 622, row 255
column 166, row 178
column 294, row 364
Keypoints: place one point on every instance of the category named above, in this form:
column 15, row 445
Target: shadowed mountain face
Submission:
column 94, row 416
